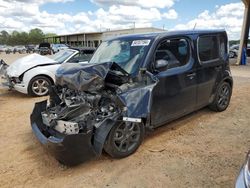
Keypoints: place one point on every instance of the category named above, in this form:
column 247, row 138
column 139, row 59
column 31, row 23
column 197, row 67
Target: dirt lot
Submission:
column 204, row 149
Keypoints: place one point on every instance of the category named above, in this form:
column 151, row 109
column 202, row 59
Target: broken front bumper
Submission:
column 6, row 82
column 67, row 149
column 3, row 67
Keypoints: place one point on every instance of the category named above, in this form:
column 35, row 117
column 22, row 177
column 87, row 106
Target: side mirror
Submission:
column 161, row 64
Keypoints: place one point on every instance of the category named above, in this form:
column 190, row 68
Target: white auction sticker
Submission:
column 140, row 43
column 136, row 120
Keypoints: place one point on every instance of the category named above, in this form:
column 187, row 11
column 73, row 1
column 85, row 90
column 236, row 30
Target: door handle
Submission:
column 191, row 75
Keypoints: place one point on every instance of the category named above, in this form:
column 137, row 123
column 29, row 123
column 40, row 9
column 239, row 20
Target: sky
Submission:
column 75, row 16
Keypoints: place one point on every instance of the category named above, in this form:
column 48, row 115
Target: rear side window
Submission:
column 208, row 48
column 223, row 46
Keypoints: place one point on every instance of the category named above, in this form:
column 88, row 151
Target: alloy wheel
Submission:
column 127, row 136
column 40, row 87
column 224, row 96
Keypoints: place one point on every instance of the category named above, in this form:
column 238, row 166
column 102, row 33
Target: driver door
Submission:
column 175, row 93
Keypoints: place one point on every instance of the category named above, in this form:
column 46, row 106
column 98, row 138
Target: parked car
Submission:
column 9, row 49
column 132, row 83
column 248, row 50
column 2, row 48
column 45, row 49
column 243, row 180
column 30, row 48
column 19, row 49
column 36, row 49
column 233, row 51
column 34, row 74
column 57, row 47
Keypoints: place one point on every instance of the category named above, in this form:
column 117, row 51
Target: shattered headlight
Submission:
column 15, row 80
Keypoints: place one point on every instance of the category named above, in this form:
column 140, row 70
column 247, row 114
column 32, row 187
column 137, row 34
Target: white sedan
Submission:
column 34, row 74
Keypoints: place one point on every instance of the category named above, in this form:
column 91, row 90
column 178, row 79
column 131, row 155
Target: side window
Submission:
column 74, row 59
column 175, row 52
column 223, row 46
column 85, row 55
column 208, row 48
column 82, row 56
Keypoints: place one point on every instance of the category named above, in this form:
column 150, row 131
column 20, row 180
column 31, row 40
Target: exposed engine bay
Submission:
column 79, row 111
column 78, row 108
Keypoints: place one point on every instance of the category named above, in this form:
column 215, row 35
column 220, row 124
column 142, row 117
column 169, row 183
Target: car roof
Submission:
column 169, row 33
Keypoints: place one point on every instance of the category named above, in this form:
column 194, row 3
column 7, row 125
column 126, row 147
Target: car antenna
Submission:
column 194, row 25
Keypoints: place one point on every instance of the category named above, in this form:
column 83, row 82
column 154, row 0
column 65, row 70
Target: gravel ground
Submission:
column 203, row 149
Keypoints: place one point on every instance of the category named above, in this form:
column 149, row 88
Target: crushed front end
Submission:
column 10, row 82
column 84, row 105
column 67, row 129
column 6, row 80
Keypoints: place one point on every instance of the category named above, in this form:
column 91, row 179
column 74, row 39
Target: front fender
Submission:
column 101, row 134
column 27, row 76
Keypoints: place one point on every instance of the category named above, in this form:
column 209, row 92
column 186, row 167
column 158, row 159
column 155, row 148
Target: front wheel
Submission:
column 39, row 86
column 124, row 139
column 222, row 97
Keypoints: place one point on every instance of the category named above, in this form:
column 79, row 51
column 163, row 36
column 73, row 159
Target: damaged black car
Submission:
column 131, row 84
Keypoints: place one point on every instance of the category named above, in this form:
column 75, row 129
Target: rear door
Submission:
column 211, row 53
column 175, row 93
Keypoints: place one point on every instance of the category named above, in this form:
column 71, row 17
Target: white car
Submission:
column 34, row 74
column 57, row 47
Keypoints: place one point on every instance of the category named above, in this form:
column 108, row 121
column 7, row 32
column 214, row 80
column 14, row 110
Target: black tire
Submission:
column 42, row 89
column 222, row 97
column 124, row 139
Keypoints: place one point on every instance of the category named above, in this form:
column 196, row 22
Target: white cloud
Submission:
column 140, row 3
column 171, row 14
column 23, row 16
column 228, row 17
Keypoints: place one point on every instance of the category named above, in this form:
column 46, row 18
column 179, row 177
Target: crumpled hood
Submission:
column 91, row 77
column 25, row 63
column 82, row 77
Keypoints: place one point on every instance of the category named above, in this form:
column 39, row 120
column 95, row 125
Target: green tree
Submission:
column 36, row 36
column 14, row 38
column 23, row 38
column 4, row 37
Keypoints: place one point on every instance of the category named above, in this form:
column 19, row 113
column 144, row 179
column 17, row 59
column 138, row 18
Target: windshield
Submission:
column 127, row 53
column 62, row 55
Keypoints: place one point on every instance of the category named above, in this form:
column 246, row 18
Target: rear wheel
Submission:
column 124, row 139
column 222, row 97
column 39, row 86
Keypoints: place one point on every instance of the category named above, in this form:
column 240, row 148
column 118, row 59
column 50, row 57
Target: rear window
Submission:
column 208, row 48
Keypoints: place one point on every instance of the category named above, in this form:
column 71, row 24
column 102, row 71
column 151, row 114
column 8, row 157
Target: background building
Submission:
column 93, row 39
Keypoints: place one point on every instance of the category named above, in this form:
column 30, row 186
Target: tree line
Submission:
column 34, row 36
